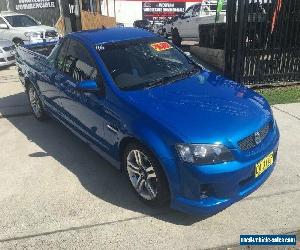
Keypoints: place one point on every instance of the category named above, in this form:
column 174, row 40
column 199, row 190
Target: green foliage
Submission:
column 279, row 95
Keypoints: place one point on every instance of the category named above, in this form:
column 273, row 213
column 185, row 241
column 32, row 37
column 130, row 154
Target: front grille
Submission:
column 10, row 58
column 249, row 142
column 9, row 48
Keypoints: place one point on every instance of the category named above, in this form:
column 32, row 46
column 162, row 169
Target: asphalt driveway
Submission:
column 55, row 192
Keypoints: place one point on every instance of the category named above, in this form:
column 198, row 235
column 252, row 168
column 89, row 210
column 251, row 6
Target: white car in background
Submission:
column 168, row 25
column 23, row 29
column 201, row 14
column 156, row 27
column 7, row 53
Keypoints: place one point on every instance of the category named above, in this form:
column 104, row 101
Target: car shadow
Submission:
column 96, row 175
column 7, row 66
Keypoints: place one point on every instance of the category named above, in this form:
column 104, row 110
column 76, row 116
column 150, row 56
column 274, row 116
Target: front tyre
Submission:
column 146, row 175
column 35, row 103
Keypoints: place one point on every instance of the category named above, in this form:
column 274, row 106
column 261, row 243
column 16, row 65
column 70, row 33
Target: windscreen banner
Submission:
column 161, row 1
column 33, row 4
column 160, row 11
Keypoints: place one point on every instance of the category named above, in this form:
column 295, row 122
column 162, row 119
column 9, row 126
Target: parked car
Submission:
column 190, row 23
column 23, row 29
column 120, row 25
column 181, row 134
column 168, row 25
column 199, row 23
column 7, row 53
column 143, row 24
column 157, row 28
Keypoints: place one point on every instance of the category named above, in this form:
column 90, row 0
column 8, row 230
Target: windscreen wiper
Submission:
column 170, row 79
column 163, row 80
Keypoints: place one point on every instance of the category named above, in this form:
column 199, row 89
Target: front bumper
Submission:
column 7, row 58
column 206, row 190
column 32, row 41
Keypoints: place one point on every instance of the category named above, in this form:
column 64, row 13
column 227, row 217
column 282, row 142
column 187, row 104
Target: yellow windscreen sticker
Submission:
column 161, row 46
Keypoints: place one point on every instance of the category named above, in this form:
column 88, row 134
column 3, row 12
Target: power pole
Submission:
column 115, row 9
column 107, row 10
column 61, row 11
column 7, row 5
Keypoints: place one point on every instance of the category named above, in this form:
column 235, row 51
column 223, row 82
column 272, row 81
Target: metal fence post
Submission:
column 230, row 38
column 242, row 19
column 7, row 5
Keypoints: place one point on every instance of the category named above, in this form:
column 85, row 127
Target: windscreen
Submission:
column 145, row 63
column 21, row 21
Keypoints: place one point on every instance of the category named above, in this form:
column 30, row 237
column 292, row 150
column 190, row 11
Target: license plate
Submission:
column 264, row 164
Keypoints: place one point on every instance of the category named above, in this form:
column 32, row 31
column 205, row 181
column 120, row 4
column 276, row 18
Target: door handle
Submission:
column 112, row 128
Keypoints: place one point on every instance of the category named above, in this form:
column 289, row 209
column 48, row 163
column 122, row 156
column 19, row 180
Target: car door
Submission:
column 84, row 111
column 192, row 27
column 50, row 77
column 4, row 32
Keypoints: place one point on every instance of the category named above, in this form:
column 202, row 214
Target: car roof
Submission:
column 116, row 34
column 138, row 20
column 9, row 13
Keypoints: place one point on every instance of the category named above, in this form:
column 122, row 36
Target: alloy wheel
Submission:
column 34, row 102
column 142, row 174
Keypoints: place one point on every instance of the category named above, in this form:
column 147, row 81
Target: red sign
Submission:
column 160, row 11
column 178, row 1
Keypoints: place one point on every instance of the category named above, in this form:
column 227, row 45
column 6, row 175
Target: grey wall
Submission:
column 2, row 5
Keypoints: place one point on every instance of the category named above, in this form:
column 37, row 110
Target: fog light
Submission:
column 204, row 191
column 203, row 195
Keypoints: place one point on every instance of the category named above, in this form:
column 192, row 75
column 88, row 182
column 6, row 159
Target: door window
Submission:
column 79, row 65
column 61, row 55
column 188, row 12
column 196, row 10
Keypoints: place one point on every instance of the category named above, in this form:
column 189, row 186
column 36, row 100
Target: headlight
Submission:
column 204, row 153
column 33, row 34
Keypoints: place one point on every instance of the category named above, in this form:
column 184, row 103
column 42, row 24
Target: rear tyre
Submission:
column 35, row 103
column 145, row 175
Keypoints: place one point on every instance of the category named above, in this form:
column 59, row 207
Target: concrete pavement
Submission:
column 55, row 192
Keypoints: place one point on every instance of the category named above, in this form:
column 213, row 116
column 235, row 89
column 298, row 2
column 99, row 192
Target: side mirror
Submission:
column 39, row 23
column 3, row 26
column 88, row 86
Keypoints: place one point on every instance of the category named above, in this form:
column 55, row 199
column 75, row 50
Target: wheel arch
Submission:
column 160, row 151
column 27, row 82
column 122, row 146
column 130, row 140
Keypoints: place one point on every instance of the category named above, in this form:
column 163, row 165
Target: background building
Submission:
column 129, row 11
column 126, row 12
